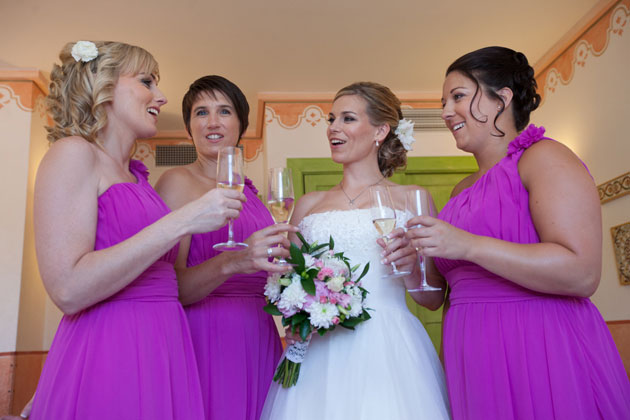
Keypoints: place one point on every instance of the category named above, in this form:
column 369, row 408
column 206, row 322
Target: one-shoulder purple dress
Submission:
column 236, row 342
column 129, row 356
column 510, row 352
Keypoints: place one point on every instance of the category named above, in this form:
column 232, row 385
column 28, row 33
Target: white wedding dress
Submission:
column 387, row 368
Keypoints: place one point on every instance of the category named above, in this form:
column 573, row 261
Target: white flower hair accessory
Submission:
column 404, row 131
column 84, row 51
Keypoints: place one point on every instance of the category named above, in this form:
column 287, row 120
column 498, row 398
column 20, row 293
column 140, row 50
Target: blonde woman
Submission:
column 106, row 245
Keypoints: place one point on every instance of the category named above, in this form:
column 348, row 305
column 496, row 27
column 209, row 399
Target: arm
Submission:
column 197, row 282
column 303, row 208
column 566, row 213
column 65, row 212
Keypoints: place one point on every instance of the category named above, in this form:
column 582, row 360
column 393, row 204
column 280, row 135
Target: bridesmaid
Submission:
column 520, row 245
column 236, row 342
column 106, row 244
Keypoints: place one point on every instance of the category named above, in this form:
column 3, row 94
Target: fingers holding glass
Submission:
column 384, row 219
column 418, row 204
column 230, row 175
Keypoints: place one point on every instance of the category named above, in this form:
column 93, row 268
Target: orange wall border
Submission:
column 590, row 35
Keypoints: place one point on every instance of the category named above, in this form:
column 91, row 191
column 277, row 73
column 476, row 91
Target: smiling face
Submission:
column 136, row 104
column 470, row 117
column 213, row 124
column 351, row 135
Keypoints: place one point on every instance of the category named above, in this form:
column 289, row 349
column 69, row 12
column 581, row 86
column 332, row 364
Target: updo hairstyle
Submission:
column 383, row 107
column 79, row 90
column 494, row 68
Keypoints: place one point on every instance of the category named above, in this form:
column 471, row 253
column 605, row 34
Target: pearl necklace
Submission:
column 352, row 200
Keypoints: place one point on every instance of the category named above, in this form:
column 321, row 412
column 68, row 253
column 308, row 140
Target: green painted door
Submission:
column 437, row 174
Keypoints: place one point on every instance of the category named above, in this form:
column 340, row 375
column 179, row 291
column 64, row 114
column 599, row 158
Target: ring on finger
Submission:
column 269, row 251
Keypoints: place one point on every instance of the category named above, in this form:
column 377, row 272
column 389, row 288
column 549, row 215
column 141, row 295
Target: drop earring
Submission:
column 376, row 143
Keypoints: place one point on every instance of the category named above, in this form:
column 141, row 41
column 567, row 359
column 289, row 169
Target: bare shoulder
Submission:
column 305, row 205
column 551, row 160
column 173, row 186
column 463, row 184
column 69, row 157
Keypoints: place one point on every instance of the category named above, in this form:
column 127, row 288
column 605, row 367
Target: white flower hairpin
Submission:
column 404, row 131
column 84, row 51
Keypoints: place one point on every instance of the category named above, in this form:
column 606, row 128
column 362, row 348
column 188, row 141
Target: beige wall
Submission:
column 590, row 114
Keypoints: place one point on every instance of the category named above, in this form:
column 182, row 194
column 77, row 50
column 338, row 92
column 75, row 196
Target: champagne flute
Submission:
column 384, row 220
column 230, row 175
column 417, row 204
column 280, row 197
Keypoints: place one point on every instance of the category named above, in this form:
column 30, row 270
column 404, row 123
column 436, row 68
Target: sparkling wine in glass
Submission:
column 417, row 204
column 280, row 197
column 230, row 175
column 384, row 219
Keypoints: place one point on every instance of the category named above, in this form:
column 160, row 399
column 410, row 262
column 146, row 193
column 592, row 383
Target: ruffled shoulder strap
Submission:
column 137, row 168
column 529, row 136
column 249, row 184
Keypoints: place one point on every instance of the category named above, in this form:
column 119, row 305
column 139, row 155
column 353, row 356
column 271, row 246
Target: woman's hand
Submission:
column 436, row 238
column 212, row 210
column 398, row 250
column 290, row 338
column 263, row 245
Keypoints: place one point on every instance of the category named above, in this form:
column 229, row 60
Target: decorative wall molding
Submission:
column 8, row 95
column 614, row 188
column 590, row 37
column 621, row 245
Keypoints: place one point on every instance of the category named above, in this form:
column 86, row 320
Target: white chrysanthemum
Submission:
column 272, row 288
column 322, row 314
column 335, row 284
column 292, row 297
column 356, row 302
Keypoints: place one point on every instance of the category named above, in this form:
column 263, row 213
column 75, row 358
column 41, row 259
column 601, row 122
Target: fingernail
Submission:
column 384, row 261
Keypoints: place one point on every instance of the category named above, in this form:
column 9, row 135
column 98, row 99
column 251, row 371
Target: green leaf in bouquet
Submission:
column 305, row 329
column 285, row 321
column 316, row 248
column 297, row 318
column 365, row 270
column 297, row 259
column 305, row 245
column 309, row 285
column 331, row 243
column 270, row 308
column 353, row 269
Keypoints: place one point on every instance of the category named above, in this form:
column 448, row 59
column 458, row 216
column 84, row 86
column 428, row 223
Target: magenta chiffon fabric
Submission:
column 510, row 352
column 129, row 356
column 236, row 342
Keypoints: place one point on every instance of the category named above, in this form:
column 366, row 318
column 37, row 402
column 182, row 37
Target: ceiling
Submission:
column 288, row 46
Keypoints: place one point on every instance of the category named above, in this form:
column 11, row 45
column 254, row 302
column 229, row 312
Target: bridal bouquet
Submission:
column 318, row 294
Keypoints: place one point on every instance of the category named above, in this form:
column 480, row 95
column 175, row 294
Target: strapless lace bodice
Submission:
column 355, row 236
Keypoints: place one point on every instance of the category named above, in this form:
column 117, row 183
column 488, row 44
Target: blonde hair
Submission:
column 383, row 107
column 79, row 91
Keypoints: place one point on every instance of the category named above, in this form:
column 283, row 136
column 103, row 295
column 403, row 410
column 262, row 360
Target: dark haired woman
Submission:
column 387, row 368
column 236, row 343
column 520, row 246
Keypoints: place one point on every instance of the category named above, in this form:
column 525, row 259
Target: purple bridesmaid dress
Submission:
column 236, row 342
column 129, row 356
column 510, row 352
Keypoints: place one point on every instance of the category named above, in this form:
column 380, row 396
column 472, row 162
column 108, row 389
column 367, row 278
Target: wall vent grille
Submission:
column 425, row 119
column 175, row 154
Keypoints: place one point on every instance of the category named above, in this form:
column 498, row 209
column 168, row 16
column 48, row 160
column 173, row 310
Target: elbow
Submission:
column 587, row 283
column 65, row 300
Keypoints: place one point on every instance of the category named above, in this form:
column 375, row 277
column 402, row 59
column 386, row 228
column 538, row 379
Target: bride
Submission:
column 387, row 367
